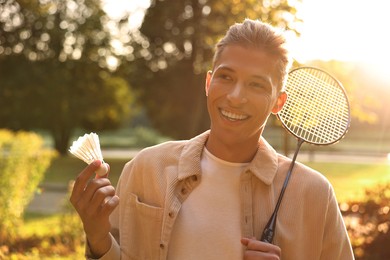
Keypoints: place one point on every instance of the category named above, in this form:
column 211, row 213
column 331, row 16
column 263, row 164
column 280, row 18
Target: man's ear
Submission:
column 207, row 83
column 282, row 98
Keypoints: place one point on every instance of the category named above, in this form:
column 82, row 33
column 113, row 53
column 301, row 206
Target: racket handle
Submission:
column 269, row 230
column 267, row 236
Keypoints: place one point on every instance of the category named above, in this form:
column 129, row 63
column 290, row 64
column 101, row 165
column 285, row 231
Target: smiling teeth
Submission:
column 232, row 116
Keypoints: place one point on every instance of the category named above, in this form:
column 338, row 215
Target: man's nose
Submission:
column 237, row 94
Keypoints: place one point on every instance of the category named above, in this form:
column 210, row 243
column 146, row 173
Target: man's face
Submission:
column 242, row 92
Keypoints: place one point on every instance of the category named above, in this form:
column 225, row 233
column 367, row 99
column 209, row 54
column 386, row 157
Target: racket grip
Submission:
column 267, row 236
column 269, row 230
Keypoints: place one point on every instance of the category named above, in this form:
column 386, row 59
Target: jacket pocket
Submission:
column 141, row 226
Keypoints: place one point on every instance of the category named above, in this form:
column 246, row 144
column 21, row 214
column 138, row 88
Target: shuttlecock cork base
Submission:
column 87, row 148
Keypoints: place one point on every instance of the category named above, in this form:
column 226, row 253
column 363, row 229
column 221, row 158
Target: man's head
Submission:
column 245, row 85
column 258, row 35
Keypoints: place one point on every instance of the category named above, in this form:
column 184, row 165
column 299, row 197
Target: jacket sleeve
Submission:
column 112, row 254
column 336, row 243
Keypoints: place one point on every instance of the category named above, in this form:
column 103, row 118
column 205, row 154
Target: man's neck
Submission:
column 238, row 152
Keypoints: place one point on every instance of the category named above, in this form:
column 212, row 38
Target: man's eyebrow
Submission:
column 224, row 67
column 256, row 76
column 263, row 78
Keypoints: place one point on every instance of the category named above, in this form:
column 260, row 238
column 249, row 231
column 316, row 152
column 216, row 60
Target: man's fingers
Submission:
column 94, row 185
column 256, row 245
column 252, row 255
column 83, row 178
column 252, row 244
column 97, row 176
column 110, row 205
column 101, row 195
column 245, row 241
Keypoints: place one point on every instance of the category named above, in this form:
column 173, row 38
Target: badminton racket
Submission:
column 317, row 112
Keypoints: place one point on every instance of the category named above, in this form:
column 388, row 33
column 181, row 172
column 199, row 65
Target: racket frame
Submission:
column 340, row 86
column 269, row 230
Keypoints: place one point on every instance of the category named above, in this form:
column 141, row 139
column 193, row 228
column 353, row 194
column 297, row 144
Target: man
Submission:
column 210, row 197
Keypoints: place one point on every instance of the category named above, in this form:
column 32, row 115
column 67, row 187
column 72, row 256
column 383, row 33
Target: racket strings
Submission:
column 318, row 113
column 317, row 109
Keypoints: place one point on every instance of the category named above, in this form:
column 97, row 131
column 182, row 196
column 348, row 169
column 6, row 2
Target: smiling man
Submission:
column 210, row 197
column 242, row 91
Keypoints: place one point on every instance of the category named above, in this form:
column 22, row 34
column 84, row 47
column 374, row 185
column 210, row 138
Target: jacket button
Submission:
column 162, row 246
column 171, row 214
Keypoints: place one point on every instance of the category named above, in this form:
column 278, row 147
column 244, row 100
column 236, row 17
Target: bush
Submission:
column 368, row 224
column 23, row 162
column 72, row 231
column 57, row 236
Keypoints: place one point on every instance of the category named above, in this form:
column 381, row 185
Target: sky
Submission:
column 352, row 30
column 346, row 30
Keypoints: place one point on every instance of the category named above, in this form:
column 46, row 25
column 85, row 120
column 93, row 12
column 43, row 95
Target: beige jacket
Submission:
column 158, row 180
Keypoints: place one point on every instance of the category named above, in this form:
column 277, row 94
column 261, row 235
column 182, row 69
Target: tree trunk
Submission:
column 61, row 140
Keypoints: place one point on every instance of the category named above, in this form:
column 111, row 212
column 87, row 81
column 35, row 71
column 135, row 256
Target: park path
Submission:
column 52, row 197
column 49, row 199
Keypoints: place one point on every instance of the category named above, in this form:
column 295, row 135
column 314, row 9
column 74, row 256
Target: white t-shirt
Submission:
column 208, row 225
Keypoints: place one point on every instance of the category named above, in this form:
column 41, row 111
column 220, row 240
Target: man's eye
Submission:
column 256, row 84
column 225, row 76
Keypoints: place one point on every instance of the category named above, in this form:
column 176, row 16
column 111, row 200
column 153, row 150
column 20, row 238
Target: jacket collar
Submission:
column 264, row 165
column 189, row 162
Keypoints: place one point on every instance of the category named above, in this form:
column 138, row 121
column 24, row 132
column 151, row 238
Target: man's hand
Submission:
column 94, row 201
column 258, row 250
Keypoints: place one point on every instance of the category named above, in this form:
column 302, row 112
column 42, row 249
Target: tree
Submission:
column 56, row 71
column 176, row 48
column 23, row 162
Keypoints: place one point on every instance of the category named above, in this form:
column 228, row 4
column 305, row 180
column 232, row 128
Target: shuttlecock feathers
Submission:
column 87, row 148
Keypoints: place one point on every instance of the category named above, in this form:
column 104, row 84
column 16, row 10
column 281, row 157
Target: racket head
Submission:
column 317, row 109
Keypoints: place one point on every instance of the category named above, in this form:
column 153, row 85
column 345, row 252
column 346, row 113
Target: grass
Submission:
column 351, row 180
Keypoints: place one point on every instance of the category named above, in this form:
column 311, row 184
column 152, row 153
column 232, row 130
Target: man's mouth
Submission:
column 233, row 116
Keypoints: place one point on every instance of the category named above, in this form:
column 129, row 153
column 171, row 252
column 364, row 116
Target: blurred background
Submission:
column 133, row 71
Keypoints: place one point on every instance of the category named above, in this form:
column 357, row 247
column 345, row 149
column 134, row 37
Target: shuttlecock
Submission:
column 87, row 148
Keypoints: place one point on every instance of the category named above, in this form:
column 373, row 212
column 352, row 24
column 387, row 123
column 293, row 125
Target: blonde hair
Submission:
column 261, row 36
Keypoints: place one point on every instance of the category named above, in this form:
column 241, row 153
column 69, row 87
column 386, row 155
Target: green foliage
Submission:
column 176, row 50
column 23, row 162
column 368, row 223
column 54, row 70
column 71, row 229
column 59, row 236
column 56, row 237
